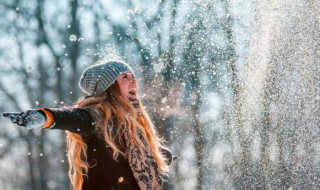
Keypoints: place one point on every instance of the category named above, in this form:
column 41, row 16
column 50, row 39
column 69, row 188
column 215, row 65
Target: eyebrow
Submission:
column 126, row 74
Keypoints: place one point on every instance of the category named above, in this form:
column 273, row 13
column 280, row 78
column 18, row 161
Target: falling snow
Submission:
column 232, row 86
column 73, row 38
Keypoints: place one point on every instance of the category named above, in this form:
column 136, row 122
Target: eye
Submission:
column 125, row 76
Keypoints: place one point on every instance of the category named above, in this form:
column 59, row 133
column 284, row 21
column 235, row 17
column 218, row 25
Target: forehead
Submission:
column 127, row 72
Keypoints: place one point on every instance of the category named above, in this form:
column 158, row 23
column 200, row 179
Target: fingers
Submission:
column 18, row 118
column 9, row 114
column 6, row 114
column 22, row 121
column 24, row 118
column 14, row 118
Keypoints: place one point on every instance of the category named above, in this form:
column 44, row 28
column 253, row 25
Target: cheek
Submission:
column 123, row 86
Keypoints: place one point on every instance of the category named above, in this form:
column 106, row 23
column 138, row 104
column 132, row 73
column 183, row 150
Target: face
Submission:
column 128, row 85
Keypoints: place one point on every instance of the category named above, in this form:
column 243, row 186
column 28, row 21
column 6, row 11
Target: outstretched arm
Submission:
column 76, row 120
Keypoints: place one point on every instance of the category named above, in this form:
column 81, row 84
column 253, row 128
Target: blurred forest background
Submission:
column 233, row 86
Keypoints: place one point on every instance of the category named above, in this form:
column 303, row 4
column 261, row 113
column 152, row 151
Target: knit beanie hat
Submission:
column 97, row 78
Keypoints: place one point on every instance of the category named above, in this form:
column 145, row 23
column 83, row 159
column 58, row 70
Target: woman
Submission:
column 111, row 141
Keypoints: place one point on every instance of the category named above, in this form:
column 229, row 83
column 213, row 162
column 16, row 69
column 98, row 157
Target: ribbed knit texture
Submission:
column 97, row 78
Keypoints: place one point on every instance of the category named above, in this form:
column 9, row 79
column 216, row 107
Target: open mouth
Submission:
column 133, row 92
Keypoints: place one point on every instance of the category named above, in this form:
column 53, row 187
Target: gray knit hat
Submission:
column 99, row 77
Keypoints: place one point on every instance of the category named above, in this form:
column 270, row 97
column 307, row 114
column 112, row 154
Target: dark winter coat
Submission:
column 105, row 173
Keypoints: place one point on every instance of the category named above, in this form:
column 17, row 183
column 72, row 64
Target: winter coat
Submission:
column 104, row 172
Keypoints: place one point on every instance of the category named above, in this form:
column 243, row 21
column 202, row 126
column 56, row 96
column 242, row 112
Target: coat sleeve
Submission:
column 76, row 120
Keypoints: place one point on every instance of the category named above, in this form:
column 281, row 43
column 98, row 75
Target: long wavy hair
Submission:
column 116, row 112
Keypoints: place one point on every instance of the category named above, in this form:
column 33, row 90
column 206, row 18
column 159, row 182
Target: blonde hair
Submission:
column 116, row 111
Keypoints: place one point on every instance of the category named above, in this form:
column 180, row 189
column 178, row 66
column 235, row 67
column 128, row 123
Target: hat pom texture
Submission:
column 97, row 78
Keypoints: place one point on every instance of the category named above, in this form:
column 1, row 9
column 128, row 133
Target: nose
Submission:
column 133, row 80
